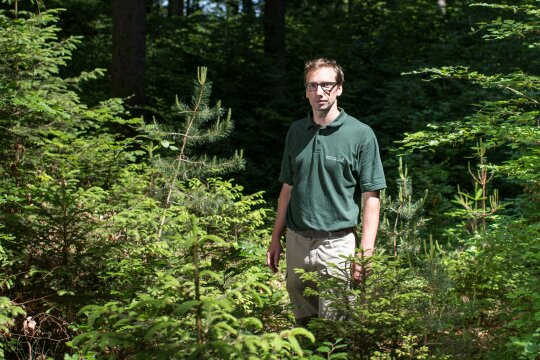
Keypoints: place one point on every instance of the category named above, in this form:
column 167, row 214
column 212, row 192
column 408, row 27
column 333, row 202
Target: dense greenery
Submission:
column 123, row 234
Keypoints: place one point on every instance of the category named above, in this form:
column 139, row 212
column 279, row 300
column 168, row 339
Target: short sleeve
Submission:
column 286, row 174
column 371, row 172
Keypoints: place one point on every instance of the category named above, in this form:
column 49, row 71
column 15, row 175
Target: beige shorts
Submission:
column 316, row 253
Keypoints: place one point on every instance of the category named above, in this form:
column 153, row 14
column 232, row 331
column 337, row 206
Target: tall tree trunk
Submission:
column 274, row 44
column 129, row 48
column 274, row 32
column 247, row 7
column 274, row 28
column 176, row 8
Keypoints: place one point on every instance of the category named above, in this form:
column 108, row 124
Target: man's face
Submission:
column 319, row 98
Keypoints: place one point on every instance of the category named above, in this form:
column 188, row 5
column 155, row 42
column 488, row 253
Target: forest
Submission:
column 140, row 150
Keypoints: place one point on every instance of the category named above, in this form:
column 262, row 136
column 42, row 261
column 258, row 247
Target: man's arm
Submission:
column 274, row 250
column 370, row 225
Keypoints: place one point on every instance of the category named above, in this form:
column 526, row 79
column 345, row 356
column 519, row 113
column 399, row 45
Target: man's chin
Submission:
column 321, row 107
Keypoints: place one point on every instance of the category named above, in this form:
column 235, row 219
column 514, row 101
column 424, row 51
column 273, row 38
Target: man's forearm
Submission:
column 370, row 221
column 283, row 204
column 275, row 248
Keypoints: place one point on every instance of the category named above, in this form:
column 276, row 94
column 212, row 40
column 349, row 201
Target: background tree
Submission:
column 129, row 50
column 274, row 41
column 176, row 8
column 248, row 8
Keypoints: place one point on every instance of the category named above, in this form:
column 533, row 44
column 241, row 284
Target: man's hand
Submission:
column 370, row 224
column 359, row 273
column 272, row 255
column 275, row 249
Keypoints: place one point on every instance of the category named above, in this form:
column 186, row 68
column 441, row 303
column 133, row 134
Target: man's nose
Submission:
column 319, row 90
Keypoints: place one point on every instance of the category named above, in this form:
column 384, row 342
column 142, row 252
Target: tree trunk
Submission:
column 247, row 7
column 274, row 28
column 274, row 45
column 176, row 8
column 129, row 47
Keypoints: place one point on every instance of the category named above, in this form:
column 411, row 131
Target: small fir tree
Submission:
column 475, row 207
column 402, row 217
column 203, row 124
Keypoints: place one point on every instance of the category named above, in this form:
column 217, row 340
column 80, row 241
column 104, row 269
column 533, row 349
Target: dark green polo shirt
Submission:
column 329, row 168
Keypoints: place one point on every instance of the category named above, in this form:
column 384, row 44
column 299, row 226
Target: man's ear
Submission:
column 339, row 90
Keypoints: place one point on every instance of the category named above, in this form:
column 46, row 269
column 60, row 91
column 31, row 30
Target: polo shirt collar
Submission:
column 338, row 121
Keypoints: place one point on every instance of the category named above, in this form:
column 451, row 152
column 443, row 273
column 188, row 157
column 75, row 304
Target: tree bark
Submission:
column 274, row 28
column 129, row 48
column 274, row 45
column 176, row 8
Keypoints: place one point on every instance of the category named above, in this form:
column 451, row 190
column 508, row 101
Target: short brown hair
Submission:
column 322, row 63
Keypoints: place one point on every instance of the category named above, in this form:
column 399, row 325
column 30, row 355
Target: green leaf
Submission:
column 156, row 328
column 65, row 292
column 186, row 306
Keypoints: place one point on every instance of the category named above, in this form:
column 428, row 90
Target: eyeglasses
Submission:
column 325, row 86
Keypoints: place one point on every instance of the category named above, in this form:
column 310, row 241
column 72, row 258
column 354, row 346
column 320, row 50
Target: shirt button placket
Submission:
column 317, row 143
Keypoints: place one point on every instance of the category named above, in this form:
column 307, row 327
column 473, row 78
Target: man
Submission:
column 331, row 163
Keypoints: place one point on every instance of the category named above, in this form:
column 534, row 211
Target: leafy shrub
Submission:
column 190, row 309
column 58, row 162
column 497, row 276
column 377, row 314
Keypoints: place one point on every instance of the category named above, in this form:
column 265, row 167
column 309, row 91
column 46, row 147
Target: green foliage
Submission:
column 185, row 163
column 479, row 206
column 33, row 94
column 58, row 164
column 190, row 308
column 496, row 274
column 513, row 28
column 223, row 209
column 202, row 125
column 376, row 314
column 409, row 350
column 507, row 121
column 331, row 350
column 402, row 218
column 8, row 310
column 486, row 267
column 88, row 222
column 527, row 344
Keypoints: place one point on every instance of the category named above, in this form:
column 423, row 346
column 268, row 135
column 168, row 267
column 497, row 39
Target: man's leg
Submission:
column 298, row 256
column 330, row 251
